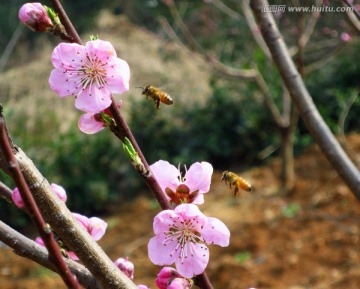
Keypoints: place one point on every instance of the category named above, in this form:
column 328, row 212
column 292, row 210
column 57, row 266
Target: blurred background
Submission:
column 199, row 53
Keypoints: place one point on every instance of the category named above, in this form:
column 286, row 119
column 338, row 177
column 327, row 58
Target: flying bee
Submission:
column 157, row 95
column 233, row 179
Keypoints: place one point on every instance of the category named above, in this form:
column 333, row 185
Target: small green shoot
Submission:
column 291, row 210
column 242, row 257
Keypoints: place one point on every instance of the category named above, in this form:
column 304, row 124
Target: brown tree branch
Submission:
column 341, row 125
column 70, row 29
column 304, row 103
column 5, row 192
column 354, row 21
column 33, row 210
column 69, row 230
column 29, row 249
column 145, row 172
column 226, row 9
column 354, row 10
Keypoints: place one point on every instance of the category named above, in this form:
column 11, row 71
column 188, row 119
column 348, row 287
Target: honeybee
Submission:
column 157, row 95
column 233, row 179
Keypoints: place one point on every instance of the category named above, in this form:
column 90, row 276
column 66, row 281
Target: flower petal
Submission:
column 67, row 55
column 83, row 220
column 198, row 177
column 216, row 232
column 62, row 85
column 59, row 191
column 199, row 199
column 72, row 255
column 196, row 261
column 118, row 76
column 93, row 99
column 166, row 174
column 89, row 125
column 163, row 221
column 97, row 228
column 17, row 199
column 161, row 254
column 191, row 210
column 103, row 50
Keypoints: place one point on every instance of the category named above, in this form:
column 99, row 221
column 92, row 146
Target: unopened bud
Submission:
column 16, row 197
column 34, row 16
column 179, row 283
column 125, row 266
column 59, row 191
column 165, row 276
column 345, row 37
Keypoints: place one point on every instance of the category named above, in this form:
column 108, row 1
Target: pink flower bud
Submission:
column 164, row 277
column 34, row 16
column 126, row 267
column 345, row 37
column 95, row 226
column 59, row 191
column 143, row 287
column 179, row 283
column 16, row 197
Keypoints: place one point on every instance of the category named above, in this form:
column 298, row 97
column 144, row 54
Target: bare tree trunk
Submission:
column 287, row 135
column 304, row 103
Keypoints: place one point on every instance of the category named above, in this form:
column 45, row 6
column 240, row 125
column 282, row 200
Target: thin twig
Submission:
column 34, row 212
column 148, row 177
column 254, row 28
column 323, row 60
column 341, row 125
column 226, row 9
column 70, row 29
column 5, row 192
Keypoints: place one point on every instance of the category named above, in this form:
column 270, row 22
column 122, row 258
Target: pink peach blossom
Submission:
column 91, row 123
column 181, row 236
column 196, row 181
column 91, row 73
column 96, row 227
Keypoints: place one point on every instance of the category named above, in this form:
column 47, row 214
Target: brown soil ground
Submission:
column 309, row 239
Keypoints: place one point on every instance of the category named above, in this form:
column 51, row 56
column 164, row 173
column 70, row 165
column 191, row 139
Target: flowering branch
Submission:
column 121, row 128
column 124, row 131
column 304, row 103
column 33, row 210
column 69, row 230
column 27, row 248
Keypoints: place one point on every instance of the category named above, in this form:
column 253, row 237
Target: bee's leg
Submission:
column 236, row 192
column 157, row 101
